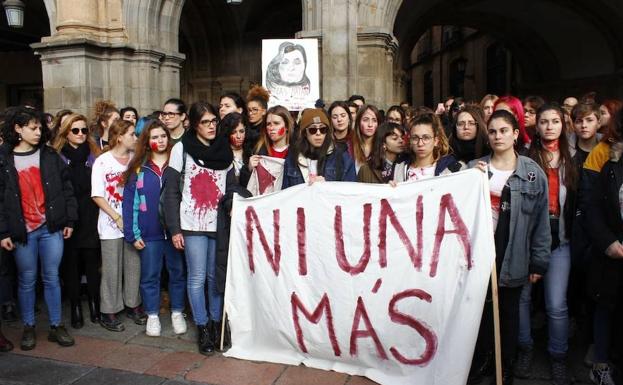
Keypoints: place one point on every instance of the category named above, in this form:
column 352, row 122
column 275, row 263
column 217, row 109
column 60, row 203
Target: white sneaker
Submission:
column 179, row 323
column 153, row 326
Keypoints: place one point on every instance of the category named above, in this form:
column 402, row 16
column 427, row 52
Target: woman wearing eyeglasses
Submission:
column 468, row 140
column 314, row 157
column 428, row 151
column 173, row 115
column 79, row 151
column 195, row 181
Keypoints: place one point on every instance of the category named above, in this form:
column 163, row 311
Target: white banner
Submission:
column 387, row 283
column 290, row 72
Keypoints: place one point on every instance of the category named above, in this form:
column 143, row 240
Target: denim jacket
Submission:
column 528, row 249
column 296, row 173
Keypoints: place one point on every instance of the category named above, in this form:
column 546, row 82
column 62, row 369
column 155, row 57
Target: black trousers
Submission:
column 74, row 260
column 509, row 325
column 7, row 277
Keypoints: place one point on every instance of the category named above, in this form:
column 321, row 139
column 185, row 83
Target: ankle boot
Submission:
column 205, row 339
column 77, row 321
column 94, row 309
column 5, row 344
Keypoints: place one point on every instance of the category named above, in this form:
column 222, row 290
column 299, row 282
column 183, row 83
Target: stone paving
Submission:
column 130, row 357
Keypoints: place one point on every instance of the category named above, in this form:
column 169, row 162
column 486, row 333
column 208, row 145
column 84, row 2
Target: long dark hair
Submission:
column 377, row 155
column 21, row 116
column 303, row 147
column 542, row 156
column 196, row 112
column 481, row 139
column 143, row 150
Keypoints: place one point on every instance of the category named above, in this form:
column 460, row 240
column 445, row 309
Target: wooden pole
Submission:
column 496, row 325
column 223, row 330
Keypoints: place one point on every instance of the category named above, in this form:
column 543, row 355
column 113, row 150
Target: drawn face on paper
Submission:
column 292, row 67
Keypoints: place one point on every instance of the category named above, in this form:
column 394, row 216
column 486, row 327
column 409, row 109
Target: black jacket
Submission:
column 61, row 208
column 605, row 226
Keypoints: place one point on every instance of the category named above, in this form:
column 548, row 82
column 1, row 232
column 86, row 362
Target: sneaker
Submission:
column 137, row 315
column 523, row 362
column 59, row 335
column 29, row 338
column 153, row 326
column 111, row 322
column 560, row 376
column 179, row 323
column 601, row 374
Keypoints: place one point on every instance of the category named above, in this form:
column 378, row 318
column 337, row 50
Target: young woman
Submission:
column 519, row 208
column 550, row 150
column 366, row 123
column 173, row 115
column 607, row 110
column 79, row 150
column 428, row 151
column 196, row 180
column 129, row 113
column 257, row 104
column 121, row 265
column 341, row 123
column 37, row 210
column 231, row 102
column 274, row 141
column 235, row 123
column 515, row 107
column 388, row 145
column 605, row 224
column 395, row 114
column 468, row 140
column 105, row 115
column 143, row 229
column 314, row 157
column 531, row 105
column 486, row 104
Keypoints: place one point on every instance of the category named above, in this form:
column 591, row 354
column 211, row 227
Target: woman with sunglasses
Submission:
column 428, row 151
column 314, row 157
column 79, row 150
column 173, row 115
column 197, row 177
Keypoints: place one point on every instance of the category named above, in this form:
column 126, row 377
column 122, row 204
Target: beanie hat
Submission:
column 313, row 116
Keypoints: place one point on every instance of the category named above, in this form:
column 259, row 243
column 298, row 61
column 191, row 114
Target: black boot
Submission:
column 94, row 309
column 9, row 312
column 507, row 374
column 77, row 322
column 483, row 365
column 5, row 344
column 205, row 338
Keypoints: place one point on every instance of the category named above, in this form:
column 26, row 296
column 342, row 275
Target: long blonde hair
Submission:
column 61, row 138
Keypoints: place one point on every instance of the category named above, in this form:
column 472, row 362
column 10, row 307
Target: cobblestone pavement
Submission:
column 130, row 357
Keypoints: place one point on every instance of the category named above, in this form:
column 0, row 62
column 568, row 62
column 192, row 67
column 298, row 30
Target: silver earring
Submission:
column 19, row 137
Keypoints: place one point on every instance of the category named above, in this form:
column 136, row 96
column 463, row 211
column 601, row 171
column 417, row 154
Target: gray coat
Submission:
column 528, row 249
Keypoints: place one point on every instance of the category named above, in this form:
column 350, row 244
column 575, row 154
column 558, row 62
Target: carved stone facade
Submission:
column 141, row 52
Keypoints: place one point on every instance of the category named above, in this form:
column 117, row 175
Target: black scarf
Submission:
column 464, row 150
column 80, row 171
column 216, row 156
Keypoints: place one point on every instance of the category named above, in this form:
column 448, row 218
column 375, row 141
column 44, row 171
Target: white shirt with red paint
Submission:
column 105, row 177
column 203, row 189
column 496, row 185
column 31, row 188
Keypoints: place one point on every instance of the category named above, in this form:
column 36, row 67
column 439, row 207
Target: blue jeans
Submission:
column 48, row 248
column 201, row 262
column 555, row 284
column 151, row 268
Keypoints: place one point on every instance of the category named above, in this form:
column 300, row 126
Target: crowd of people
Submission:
column 158, row 191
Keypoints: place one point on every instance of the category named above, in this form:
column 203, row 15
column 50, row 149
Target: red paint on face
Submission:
column 342, row 261
column 388, row 212
column 153, row 145
column 281, row 131
column 324, row 307
column 33, row 197
column 235, row 141
column 423, row 329
column 356, row 333
column 273, row 256
column 205, row 192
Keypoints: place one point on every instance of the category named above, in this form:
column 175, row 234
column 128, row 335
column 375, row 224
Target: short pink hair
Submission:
column 517, row 108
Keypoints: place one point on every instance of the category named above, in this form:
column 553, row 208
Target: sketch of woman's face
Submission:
column 292, row 67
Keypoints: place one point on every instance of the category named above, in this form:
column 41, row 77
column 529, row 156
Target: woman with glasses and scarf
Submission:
column 173, row 115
